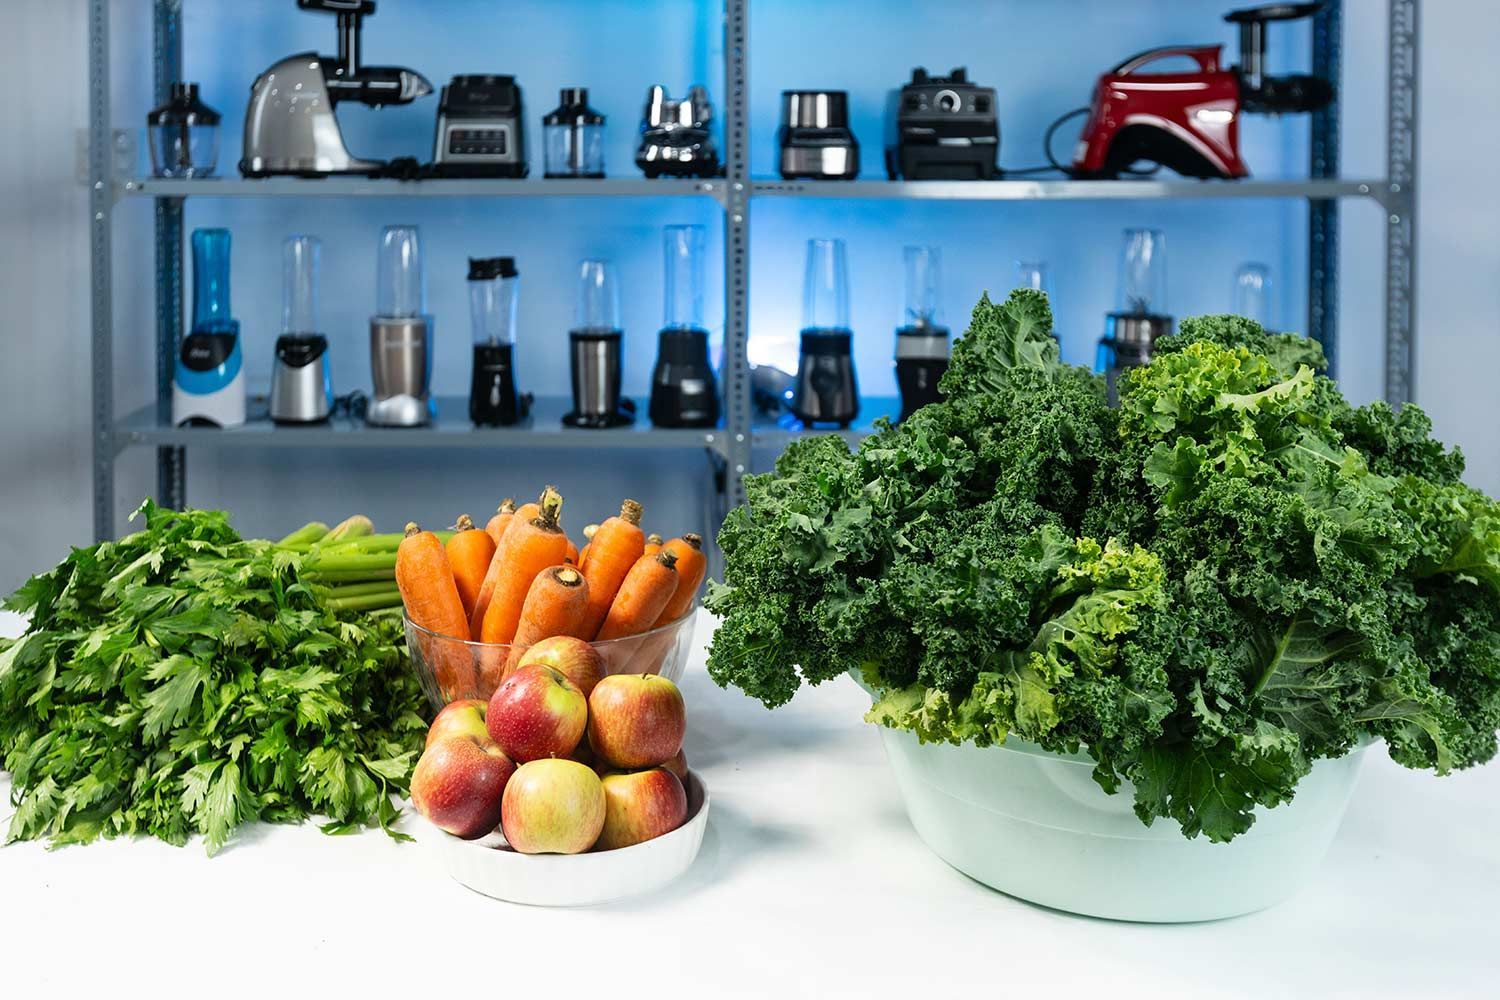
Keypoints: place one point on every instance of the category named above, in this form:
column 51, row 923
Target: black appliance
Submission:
column 945, row 128
column 494, row 293
column 825, row 390
column 814, row 139
column 675, row 136
column 479, row 129
column 922, row 340
column 1131, row 331
column 683, row 393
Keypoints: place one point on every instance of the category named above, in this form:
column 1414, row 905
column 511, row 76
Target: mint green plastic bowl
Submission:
column 1035, row 825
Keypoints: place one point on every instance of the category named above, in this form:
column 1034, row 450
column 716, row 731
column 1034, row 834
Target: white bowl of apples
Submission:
column 567, row 787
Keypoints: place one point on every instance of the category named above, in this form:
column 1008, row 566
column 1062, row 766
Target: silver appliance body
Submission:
column 301, row 383
column 675, row 136
column 1129, row 340
column 830, row 162
column 290, row 126
column 401, row 371
column 594, row 360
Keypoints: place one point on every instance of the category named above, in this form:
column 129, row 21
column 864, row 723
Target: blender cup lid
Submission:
column 489, row 268
column 573, row 109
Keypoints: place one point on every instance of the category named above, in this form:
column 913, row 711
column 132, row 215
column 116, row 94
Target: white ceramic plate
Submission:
column 488, row 866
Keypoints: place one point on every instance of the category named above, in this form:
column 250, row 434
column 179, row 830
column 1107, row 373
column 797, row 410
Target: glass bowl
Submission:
column 450, row 669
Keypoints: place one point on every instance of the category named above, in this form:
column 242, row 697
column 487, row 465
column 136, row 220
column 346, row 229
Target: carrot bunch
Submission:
column 520, row 579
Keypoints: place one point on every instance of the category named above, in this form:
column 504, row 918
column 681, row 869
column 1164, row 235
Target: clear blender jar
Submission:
column 573, row 137
column 301, row 383
column 922, row 346
column 184, row 135
column 401, row 333
column 494, row 295
column 1141, row 319
column 1252, row 295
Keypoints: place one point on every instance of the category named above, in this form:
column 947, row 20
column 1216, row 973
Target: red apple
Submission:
column 678, row 766
column 537, row 712
column 553, row 807
column 640, row 806
column 464, row 717
column 635, row 720
column 459, row 785
column 574, row 658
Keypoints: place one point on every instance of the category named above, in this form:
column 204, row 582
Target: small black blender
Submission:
column 825, row 391
column 494, row 291
column 594, row 346
column 922, row 342
column 682, row 384
column 1132, row 331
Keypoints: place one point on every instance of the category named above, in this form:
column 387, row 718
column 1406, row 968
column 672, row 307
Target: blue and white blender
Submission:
column 208, row 389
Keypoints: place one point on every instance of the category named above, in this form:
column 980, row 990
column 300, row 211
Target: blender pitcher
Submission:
column 400, row 334
column 683, row 393
column 594, row 346
column 825, row 390
column 494, row 294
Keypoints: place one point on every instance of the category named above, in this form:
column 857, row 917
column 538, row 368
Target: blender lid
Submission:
column 573, row 109
column 183, row 107
column 489, row 268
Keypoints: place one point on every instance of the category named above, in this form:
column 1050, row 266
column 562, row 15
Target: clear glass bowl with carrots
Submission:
column 477, row 603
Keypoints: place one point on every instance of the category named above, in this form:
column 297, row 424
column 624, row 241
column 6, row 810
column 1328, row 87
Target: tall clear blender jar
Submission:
column 594, row 347
column 825, row 390
column 184, row 134
column 922, row 346
column 401, row 333
column 1141, row 318
column 1252, row 295
column 494, row 295
column 683, row 393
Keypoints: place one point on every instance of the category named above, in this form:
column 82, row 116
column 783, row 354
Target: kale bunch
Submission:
column 1231, row 576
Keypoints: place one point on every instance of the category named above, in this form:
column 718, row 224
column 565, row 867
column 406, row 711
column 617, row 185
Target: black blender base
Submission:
column 596, row 421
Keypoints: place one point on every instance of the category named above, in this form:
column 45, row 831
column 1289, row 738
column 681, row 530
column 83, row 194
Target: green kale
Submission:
column 182, row 680
column 1231, row 576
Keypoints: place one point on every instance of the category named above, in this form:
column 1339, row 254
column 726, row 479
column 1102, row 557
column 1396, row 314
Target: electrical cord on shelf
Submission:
column 352, row 405
column 1052, row 162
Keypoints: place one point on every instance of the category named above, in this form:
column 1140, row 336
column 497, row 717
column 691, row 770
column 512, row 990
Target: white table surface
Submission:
column 811, row 883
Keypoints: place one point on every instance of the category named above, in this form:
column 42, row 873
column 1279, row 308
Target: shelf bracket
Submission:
column 101, row 198
column 1401, row 204
column 736, row 249
column 171, row 461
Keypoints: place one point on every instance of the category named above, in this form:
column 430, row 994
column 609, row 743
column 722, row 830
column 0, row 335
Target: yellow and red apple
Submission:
column 553, row 807
column 640, row 806
column 634, row 720
column 464, row 717
column 579, row 661
column 537, row 713
column 459, row 784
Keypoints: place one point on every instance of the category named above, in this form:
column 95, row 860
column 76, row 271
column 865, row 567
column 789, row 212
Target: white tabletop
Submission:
column 810, row 883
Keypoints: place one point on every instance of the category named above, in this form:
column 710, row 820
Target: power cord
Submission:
column 1055, row 166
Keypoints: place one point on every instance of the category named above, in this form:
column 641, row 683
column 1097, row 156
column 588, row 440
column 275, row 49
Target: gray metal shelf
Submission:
column 776, row 436
column 732, row 449
column 1070, row 190
column 451, row 429
column 366, row 187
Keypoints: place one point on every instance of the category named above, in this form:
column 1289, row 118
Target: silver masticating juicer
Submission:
column 400, row 334
column 825, row 391
column 290, row 125
column 301, row 384
column 922, row 340
column 1132, row 331
column 594, row 346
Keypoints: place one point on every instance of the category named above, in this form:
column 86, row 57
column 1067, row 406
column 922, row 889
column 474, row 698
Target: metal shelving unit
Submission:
column 730, row 449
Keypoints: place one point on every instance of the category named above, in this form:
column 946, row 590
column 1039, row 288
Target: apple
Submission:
column 537, row 712
column 678, row 766
column 579, row 661
column 639, row 806
column 553, row 807
column 459, row 784
column 635, row 720
column 464, row 717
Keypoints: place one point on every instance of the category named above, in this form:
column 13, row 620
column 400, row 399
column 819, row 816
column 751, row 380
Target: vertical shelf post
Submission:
column 101, row 206
column 736, row 249
column 1401, row 203
column 171, row 462
column 1323, row 214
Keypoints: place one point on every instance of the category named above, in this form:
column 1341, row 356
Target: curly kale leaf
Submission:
column 1286, row 352
column 1000, row 338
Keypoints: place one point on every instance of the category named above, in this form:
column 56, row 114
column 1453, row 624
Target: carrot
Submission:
column 692, row 566
column 521, row 515
column 588, row 538
column 469, row 553
column 431, row 598
column 613, row 550
column 528, row 549
column 653, row 544
column 572, row 556
column 554, row 606
column 643, row 594
column 501, row 519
